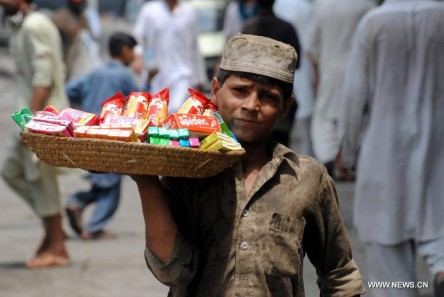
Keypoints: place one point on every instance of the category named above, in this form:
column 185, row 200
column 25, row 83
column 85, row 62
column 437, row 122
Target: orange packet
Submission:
column 198, row 125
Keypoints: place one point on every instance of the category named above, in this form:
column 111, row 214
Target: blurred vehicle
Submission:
column 210, row 17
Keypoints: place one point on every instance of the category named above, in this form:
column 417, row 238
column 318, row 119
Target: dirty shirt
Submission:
column 235, row 244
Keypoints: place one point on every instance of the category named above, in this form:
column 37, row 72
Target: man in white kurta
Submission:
column 329, row 42
column 168, row 30
column 36, row 48
column 395, row 75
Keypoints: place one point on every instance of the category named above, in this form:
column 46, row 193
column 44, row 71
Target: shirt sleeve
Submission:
column 328, row 247
column 181, row 267
column 37, row 43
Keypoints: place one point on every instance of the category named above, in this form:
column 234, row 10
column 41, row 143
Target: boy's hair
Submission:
column 118, row 41
column 222, row 75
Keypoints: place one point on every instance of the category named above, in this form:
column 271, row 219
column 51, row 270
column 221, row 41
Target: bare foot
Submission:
column 47, row 260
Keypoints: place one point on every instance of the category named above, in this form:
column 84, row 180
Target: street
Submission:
column 108, row 267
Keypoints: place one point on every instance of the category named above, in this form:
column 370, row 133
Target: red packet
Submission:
column 195, row 103
column 137, row 105
column 112, row 106
column 158, row 107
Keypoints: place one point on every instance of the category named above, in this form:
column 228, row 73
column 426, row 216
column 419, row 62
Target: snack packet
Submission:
column 78, row 117
column 22, row 117
column 158, row 107
column 48, row 128
column 112, row 106
column 210, row 108
column 137, row 105
column 194, row 104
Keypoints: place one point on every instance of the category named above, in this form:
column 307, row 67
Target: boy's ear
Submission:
column 288, row 102
column 215, row 87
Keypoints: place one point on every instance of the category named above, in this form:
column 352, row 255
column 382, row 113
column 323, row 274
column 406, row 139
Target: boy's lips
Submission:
column 247, row 122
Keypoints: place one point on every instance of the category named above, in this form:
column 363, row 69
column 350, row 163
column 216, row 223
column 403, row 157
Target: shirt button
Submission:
column 245, row 213
column 244, row 245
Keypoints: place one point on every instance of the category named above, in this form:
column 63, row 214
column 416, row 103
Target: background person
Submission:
column 88, row 92
column 80, row 49
column 167, row 32
column 329, row 43
column 36, row 47
column 236, row 14
column 394, row 82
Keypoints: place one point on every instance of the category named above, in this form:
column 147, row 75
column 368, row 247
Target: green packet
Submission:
column 22, row 117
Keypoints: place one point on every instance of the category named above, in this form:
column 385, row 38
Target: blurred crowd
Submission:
column 369, row 103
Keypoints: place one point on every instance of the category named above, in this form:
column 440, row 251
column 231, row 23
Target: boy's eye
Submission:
column 269, row 97
column 240, row 90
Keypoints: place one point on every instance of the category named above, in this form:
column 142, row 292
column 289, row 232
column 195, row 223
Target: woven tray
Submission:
column 128, row 158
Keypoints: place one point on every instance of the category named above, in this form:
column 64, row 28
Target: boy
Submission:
column 89, row 92
column 245, row 231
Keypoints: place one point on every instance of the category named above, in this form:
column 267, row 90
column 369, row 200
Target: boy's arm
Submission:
column 171, row 257
column 160, row 227
column 328, row 247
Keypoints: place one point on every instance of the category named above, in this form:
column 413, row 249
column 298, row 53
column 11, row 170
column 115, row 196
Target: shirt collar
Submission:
column 282, row 153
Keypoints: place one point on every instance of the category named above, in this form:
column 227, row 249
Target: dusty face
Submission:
column 10, row 7
column 249, row 108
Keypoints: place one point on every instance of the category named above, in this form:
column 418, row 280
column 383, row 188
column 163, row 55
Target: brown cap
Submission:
column 260, row 55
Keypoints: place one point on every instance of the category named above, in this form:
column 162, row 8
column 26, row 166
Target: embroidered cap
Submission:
column 260, row 55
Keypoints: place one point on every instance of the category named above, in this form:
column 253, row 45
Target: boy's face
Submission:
column 250, row 109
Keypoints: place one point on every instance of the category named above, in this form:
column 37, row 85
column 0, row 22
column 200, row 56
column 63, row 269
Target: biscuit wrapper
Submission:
column 194, row 104
column 137, row 105
column 48, row 129
column 158, row 108
column 112, row 106
column 78, row 117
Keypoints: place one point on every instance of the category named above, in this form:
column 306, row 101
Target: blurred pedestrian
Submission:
column 37, row 50
column 395, row 78
column 236, row 14
column 79, row 37
column 267, row 24
column 168, row 35
column 88, row 92
column 298, row 13
column 331, row 30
